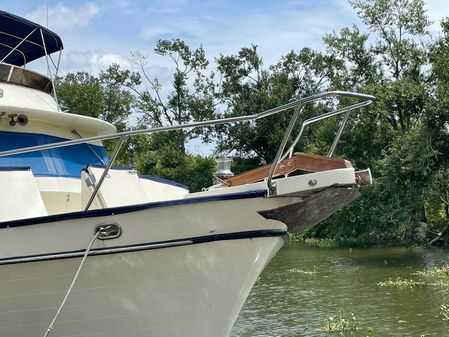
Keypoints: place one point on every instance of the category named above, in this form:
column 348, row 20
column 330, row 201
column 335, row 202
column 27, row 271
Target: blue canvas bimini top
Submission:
column 13, row 29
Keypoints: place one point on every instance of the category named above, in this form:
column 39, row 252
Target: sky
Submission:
column 97, row 33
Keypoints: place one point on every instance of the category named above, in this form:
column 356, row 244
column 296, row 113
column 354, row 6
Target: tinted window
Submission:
column 30, row 79
column 4, row 72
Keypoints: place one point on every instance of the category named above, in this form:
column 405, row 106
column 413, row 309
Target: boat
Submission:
column 92, row 249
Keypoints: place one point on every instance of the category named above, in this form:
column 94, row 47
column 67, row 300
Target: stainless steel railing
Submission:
column 281, row 155
column 297, row 105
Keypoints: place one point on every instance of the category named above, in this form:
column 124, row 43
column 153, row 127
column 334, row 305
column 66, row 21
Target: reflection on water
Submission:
column 286, row 302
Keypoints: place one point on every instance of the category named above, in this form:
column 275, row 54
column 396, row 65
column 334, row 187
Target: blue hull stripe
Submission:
column 146, row 246
column 128, row 209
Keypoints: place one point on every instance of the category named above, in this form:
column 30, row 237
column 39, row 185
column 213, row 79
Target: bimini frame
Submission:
column 40, row 30
column 297, row 105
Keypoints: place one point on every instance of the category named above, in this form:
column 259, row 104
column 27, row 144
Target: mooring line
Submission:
column 50, row 327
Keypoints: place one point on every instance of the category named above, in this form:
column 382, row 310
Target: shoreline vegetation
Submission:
column 394, row 55
column 338, row 243
column 354, row 242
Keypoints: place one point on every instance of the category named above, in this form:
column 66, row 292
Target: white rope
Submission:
column 50, row 327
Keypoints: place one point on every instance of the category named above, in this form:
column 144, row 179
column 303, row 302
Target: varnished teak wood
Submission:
column 300, row 161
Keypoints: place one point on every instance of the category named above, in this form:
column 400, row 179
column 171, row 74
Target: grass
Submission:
column 444, row 311
column 305, row 272
column 437, row 276
column 400, row 283
column 341, row 323
column 436, row 272
column 332, row 243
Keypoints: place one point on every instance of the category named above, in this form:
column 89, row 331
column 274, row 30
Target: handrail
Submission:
column 289, row 153
column 321, row 117
column 190, row 125
column 297, row 105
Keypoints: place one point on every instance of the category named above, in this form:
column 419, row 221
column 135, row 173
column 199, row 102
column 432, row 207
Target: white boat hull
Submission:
column 179, row 263
column 182, row 268
column 190, row 291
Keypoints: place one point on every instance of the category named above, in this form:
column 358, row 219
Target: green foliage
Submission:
column 395, row 138
column 99, row 97
column 441, row 272
column 370, row 332
column 81, row 94
column 350, row 48
column 342, row 324
column 392, row 209
column 437, row 199
column 355, row 242
column 164, row 159
column 403, row 138
column 193, row 94
column 304, row 272
column 113, row 96
column 444, row 311
column 248, row 87
column 400, row 283
column 435, row 277
column 118, row 103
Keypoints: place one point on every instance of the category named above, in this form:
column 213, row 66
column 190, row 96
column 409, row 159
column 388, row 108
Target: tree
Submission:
column 248, row 88
column 192, row 96
column 118, row 103
column 392, row 138
column 398, row 25
column 404, row 138
column 438, row 117
column 81, row 94
column 436, row 121
column 99, row 97
column 102, row 97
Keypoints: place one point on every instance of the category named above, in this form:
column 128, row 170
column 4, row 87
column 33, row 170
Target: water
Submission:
column 287, row 303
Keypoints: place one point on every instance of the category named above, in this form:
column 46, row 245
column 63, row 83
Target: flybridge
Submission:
column 23, row 41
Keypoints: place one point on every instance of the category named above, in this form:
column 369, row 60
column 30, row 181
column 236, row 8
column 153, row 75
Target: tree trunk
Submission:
column 440, row 234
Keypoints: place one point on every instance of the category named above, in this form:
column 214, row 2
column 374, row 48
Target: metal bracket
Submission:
column 272, row 188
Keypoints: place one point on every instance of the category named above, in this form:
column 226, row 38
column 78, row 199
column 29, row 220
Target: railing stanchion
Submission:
column 338, row 135
column 270, row 182
column 105, row 172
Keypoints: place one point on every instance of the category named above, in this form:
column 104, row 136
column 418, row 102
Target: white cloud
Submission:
column 91, row 62
column 104, row 60
column 290, row 28
column 63, row 18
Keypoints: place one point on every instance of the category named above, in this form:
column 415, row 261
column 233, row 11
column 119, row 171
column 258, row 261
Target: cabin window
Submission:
column 30, row 79
column 4, row 72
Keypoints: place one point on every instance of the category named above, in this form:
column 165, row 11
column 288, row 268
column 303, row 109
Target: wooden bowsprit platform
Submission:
column 313, row 209
column 300, row 161
column 316, row 207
